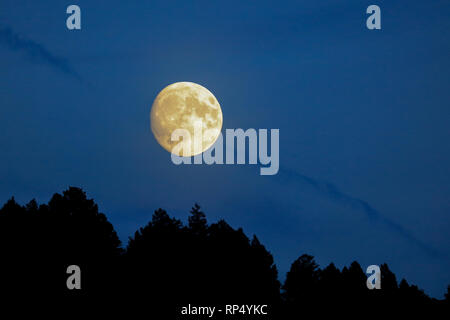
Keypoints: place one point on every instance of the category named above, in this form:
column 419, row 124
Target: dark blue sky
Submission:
column 363, row 118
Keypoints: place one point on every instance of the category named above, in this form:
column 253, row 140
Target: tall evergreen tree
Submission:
column 388, row 279
column 302, row 280
column 197, row 221
column 331, row 282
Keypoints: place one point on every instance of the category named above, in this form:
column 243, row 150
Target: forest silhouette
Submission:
column 167, row 264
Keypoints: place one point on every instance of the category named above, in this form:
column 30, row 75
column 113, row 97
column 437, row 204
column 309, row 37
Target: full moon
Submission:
column 187, row 106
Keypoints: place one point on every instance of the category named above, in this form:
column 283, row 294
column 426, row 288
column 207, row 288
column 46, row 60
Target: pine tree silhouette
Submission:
column 197, row 221
column 301, row 286
column 49, row 238
column 167, row 264
column 331, row 284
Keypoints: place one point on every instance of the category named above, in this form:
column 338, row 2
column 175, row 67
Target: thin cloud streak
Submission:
column 331, row 191
column 35, row 51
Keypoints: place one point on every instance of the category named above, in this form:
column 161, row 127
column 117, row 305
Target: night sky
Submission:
column 363, row 118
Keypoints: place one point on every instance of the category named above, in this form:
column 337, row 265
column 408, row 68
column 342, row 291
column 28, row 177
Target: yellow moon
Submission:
column 187, row 106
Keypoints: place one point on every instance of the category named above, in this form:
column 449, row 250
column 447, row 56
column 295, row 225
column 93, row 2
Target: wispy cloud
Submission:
column 35, row 51
column 333, row 192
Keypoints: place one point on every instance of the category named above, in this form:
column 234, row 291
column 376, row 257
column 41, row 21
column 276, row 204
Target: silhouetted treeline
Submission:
column 167, row 264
